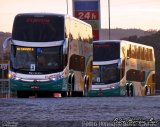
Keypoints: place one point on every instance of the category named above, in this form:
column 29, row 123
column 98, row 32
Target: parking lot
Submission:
column 85, row 111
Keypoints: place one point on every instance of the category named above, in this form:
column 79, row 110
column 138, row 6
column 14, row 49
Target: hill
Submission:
column 3, row 36
column 119, row 33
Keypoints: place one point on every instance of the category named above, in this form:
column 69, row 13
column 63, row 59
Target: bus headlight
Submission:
column 114, row 86
column 55, row 78
column 16, row 78
column 9, row 75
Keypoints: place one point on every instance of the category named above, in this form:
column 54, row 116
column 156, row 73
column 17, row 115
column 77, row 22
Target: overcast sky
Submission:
column 143, row 14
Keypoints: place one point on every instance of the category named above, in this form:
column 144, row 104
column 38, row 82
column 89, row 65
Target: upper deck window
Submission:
column 106, row 51
column 38, row 28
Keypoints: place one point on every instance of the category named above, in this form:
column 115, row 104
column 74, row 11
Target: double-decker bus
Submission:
column 50, row 53
column 122, row 68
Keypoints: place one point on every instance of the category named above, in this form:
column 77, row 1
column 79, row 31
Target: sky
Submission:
column 140, row 14
column 143, row 14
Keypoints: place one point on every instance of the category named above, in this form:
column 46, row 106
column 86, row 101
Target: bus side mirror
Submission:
column 7, row 42
column 119, row 64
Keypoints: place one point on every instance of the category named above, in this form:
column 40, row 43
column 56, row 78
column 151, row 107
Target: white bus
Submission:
column 122, row 68
column 50, row 53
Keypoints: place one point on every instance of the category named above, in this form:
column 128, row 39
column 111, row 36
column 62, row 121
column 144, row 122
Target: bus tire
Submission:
column 69, row 78
column 64, row 93
column 86, row 87
column 69, row 93
column 70, row 85
column 131, row 90
column 71, row 89
column 127, row 89
column 148, row 91
column 73, row 82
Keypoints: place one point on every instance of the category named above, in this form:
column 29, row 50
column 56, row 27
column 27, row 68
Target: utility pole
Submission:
column 67, row 6
column 109, row 19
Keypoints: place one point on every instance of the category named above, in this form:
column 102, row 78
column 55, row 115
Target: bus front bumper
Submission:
column 104, row 93
column 36, row 86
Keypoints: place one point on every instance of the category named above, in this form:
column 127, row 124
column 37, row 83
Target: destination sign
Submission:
column 24, row 49
column 37, row 20
column 96, row 67
column 101, row 45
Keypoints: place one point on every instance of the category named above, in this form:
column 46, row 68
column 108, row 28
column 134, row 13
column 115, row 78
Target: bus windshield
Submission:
column 106, row 51
column 44, row 60
column 38, row 28
column 105, row 74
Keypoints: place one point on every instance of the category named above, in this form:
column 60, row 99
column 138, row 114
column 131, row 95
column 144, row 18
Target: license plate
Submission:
column 34, row 87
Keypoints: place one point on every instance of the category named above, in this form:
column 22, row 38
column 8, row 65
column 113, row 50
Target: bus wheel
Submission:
column 131, row 90
column 71, row 86
column 64, row 94
column 73, row 82
column 127, row 89
column 86, row 87
column 68, row 93
column 148, row 91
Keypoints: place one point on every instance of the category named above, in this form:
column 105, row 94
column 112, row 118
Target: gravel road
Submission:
column 81, row 112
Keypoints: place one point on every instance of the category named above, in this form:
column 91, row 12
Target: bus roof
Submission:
column 39, row 14
column 121, row 41
column 51, row 14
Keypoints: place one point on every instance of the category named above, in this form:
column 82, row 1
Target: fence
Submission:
column 4, row 79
